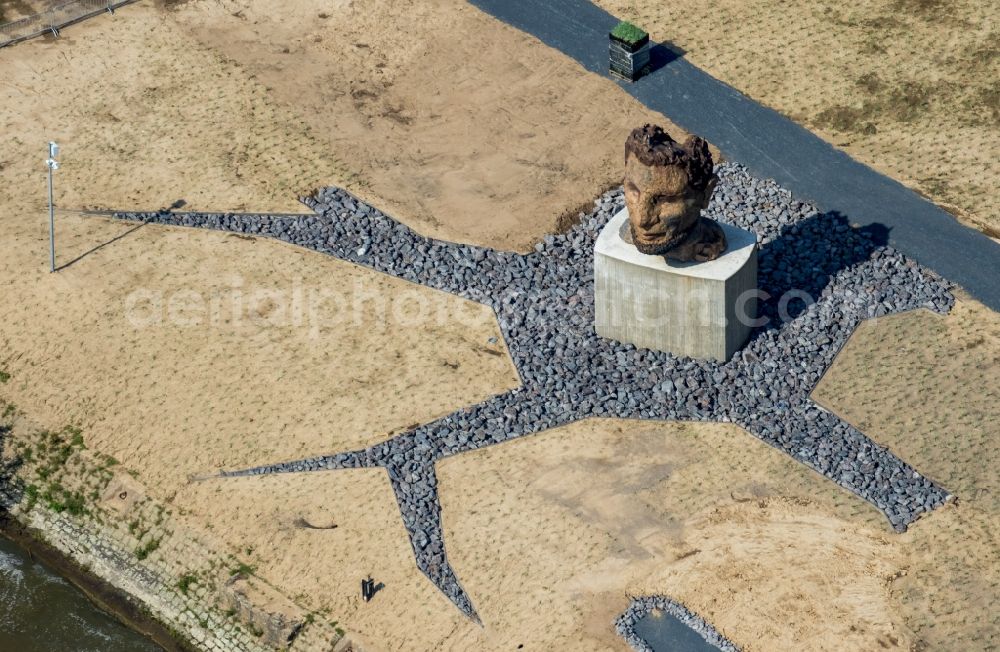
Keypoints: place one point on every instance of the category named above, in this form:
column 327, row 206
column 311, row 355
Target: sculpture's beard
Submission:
column 657, row 248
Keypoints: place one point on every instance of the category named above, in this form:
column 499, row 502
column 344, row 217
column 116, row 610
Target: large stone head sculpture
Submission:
column 667, row 185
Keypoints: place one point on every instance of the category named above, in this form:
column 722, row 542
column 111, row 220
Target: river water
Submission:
column 42, row 612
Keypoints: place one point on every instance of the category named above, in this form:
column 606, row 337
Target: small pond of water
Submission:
column 666, row 633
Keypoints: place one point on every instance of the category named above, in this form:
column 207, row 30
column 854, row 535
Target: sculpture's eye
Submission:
column 631, row 188
column 667, row 199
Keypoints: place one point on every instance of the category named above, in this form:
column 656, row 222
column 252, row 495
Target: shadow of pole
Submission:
column 100, row 246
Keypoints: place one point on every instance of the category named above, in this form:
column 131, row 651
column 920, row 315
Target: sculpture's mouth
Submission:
column 629, row 235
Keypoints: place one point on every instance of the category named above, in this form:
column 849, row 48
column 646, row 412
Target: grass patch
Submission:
column 989, row 101
column 55, row 448
column 59, row 500
column 908, row 101
column 870, row 82
column 144, row 551
column 4, row 376
column 629, row 33
column 186, row 581
column 51, row 454
column 926, row 9
column 848, row 119
column 30, row 496
column 243, row 570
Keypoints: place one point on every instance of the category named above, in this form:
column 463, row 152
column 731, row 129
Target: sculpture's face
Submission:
column 662, row 206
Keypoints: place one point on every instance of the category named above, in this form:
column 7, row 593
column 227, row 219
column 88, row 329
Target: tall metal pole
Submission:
column 52, row 227
column 53, row 165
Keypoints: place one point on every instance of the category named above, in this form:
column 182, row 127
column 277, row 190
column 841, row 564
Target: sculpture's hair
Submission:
column 653, row 146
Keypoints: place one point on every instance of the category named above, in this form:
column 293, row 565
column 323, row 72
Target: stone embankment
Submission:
column 137, row 558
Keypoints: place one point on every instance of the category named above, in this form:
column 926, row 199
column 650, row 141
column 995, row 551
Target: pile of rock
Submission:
column 821, row 278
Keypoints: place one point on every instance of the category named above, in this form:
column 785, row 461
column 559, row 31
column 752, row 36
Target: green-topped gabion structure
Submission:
column 628, row 51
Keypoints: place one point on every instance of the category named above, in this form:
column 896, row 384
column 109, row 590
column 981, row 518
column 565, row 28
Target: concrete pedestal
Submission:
column 701, row 310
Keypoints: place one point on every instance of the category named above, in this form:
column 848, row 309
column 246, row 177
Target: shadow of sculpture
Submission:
column 796, row 266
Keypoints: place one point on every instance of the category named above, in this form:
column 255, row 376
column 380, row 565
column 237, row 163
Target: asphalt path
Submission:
column 769, row 144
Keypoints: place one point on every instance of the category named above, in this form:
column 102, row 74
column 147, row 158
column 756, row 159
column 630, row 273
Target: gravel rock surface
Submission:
column 819, row 276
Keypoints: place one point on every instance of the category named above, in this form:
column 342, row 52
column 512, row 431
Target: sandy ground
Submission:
column 907, row 86
column 145, row 118
column 576, row 519
column 11, row 10
column 492, row 138
column 549, row 533
column 182, row 351
column 932, row 394
column 323, row 569
column 483, row 136
column 153, row 106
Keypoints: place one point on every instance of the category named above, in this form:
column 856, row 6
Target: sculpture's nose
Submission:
column 647, row 214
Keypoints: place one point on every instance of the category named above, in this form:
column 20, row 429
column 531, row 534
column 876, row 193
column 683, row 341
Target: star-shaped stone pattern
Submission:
column 820, row 279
